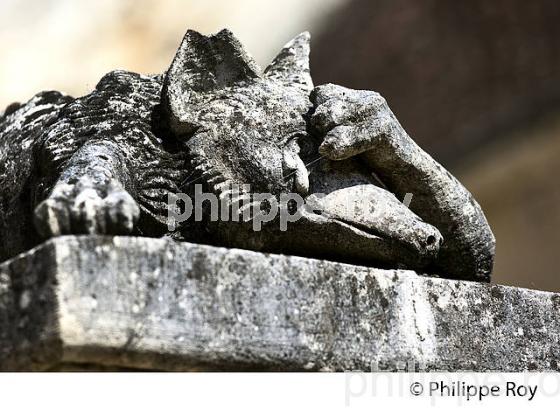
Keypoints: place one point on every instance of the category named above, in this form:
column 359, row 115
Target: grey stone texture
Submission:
column 96, row 302
column 107, row 163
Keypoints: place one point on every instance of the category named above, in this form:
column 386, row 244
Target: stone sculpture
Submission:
column 108, row 162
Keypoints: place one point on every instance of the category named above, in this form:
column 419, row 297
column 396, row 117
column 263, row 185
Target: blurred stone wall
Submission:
column 456, row 73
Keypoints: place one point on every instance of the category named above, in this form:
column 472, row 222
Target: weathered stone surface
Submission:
column 360, row 122
column 109, row 162
column 153, row 303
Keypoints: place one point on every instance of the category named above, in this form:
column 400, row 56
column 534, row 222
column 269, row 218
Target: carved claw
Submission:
column 82, row 208
column 352, row 121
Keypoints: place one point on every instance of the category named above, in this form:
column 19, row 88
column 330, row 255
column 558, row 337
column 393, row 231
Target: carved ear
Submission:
column 201, row 65
column 291, row 65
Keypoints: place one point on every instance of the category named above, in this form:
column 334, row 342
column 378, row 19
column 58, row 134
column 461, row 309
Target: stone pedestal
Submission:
column 125, row 302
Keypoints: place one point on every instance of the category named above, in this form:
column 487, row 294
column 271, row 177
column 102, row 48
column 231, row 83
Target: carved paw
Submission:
column 84, row 208
column 352, row 121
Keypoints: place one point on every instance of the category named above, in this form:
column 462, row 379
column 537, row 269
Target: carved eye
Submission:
column 293, row 143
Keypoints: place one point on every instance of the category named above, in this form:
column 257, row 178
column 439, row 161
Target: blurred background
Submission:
column 476, row 83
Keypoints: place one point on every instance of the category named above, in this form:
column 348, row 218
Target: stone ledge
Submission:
column 86, row 302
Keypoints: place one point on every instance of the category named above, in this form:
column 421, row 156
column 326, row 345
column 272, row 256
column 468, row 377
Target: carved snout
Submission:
column 376, row 223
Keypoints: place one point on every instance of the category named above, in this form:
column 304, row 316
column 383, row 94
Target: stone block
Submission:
column 96, row 302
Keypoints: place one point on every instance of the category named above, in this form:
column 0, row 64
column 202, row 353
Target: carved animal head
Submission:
column 240, row 125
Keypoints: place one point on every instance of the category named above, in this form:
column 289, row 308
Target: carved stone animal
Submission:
column 107, row 162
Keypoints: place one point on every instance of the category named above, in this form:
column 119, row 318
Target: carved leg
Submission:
column 90, row 196
column 360, row 123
